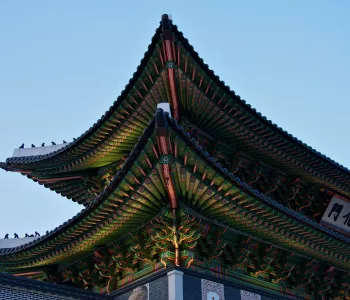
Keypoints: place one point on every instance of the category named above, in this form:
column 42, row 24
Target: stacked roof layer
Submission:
column 136, row 162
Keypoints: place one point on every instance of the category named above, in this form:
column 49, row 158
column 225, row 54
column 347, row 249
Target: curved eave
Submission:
column 32, row 250
column 50, row 159
column 315, row 164
column 71, row 186
column 294, row 230
column 254, row 193
column 322, row 159
column 76, row 190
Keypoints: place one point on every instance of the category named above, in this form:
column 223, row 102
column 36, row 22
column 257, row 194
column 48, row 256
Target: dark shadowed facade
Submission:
column 188, row 193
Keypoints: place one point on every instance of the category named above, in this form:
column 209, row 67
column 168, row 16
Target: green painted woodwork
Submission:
column 136, row 199
column 210, row 106
column 247, row 194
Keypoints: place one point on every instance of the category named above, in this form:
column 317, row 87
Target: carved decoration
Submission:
column 173, row 233
column 182, row 238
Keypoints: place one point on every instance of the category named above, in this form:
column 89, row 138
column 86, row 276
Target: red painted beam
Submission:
column 170, row 63
column 164, row 149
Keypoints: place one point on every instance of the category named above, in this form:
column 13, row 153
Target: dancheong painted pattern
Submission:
column 214, row 187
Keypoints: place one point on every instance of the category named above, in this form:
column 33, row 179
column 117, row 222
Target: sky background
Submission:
column 63, row 63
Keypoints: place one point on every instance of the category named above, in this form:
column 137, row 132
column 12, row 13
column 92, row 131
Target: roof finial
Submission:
column 166, row 22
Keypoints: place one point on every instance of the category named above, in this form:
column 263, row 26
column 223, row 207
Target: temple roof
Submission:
column 197, row 96
column 139, row 193
column 43, row 290
column 213, row 159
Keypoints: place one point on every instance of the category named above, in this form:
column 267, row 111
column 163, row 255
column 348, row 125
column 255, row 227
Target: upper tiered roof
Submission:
column 172, row 71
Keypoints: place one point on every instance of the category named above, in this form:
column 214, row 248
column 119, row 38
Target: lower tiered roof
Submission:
column 20, row 288
column 200, row 187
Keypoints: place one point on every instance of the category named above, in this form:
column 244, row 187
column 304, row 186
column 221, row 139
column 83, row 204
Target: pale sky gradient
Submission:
column 63, row 63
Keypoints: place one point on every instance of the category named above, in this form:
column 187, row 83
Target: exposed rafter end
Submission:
column 3, row 166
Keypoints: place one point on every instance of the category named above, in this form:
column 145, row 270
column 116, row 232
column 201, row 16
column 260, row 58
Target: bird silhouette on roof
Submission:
column 16, row 235
column 43, row 145
column 22, row 146
column 6, row 236
column 33, row 146
column 53, row 143
column 64, row 142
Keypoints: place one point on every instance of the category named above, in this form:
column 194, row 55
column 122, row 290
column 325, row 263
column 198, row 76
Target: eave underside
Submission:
column 139, row 193
column 207, row 247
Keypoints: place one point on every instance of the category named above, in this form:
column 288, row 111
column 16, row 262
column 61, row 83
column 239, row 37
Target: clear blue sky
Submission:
column 63, row 63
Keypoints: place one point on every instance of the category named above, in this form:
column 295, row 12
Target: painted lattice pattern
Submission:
column 7, row 293
column 245, row 295
column 212, row 290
